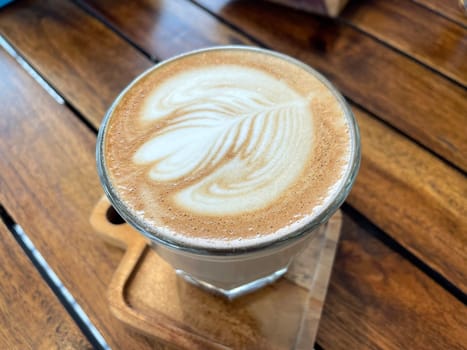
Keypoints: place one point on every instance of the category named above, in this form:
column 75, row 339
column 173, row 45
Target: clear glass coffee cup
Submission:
column 234, row 271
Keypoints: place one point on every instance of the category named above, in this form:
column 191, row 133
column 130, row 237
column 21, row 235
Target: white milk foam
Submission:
column 244, row 135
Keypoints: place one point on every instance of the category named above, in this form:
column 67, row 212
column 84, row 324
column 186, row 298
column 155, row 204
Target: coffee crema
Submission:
column 226, row 148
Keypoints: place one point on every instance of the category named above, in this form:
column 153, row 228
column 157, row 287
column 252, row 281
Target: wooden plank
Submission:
column 55, row 36
column 448, row 8
column 416, row 31
column 31, row 317
column 391, row 169
column 165, row 29
column 415, row 197
column 378, row 300
column 414, row 99
column 49, row 185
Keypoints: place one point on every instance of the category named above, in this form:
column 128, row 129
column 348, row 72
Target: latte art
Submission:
column 233, row 131
column 226, row 148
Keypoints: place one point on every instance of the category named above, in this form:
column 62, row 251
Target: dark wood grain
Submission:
column 419, row 102
column 164, row 29
column 31, row 317
column 414, row 196
column 56, row 37
column 448, row 8
column 49, row 185
column 391, row 170
column 378, row 300
column 416, row 31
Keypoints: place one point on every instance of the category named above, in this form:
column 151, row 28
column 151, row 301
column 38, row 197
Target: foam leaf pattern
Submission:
column 242, row 136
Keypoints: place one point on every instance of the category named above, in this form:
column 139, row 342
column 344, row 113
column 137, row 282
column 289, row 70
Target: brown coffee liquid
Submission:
column 227, row 147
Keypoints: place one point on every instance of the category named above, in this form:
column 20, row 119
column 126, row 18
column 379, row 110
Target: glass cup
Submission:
column 232, row 272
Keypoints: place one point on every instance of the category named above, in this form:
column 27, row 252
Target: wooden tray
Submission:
column 146, row 294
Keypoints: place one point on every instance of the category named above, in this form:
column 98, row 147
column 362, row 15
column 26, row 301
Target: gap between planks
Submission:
column 55, row 284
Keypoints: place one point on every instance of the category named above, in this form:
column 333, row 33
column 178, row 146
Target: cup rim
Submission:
column 335, row 202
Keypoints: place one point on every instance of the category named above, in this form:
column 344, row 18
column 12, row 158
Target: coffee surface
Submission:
column 226, row 148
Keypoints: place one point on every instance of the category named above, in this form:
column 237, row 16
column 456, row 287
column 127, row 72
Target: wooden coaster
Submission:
column 146, row 294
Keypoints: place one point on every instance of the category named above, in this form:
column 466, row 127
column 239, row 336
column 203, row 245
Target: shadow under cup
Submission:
column 232, row 272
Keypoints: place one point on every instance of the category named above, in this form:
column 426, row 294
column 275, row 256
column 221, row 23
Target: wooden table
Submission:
column 400, row 276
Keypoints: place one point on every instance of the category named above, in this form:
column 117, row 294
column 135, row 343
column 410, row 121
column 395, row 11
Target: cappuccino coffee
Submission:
column 226, row 148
